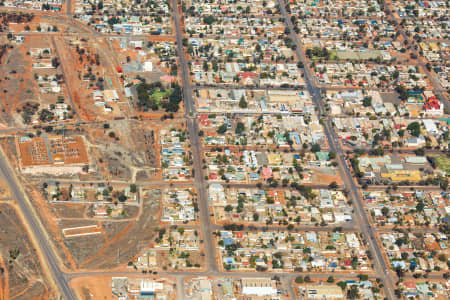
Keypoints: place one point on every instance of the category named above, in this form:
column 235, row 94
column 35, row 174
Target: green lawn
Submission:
column 159, row 95
column 443, row 162
column 332, row 56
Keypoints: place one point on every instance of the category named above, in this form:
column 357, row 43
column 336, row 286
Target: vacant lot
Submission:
column 117, row 243
column 122, row 149
column 4, row 189
column 21, row 272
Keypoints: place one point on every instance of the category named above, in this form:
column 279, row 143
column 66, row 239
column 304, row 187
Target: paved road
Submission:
column 37, row 231
column 235, row 86
column 360, row 216
column 69, row 8
column 222, row 274
column 168, row 183
column 194, row 138
column 94, row 34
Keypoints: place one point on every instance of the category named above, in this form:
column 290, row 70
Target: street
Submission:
column 360, row 216
column 360, row 222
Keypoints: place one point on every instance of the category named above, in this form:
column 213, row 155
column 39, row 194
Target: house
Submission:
column 266, row 173
column 148, row 66
column 258, row 287
column 430, row 126
column 110, row 95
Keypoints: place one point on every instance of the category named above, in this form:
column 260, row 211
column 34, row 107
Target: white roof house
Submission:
column 430, row 126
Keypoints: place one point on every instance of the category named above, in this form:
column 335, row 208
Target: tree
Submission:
column 55, row 62
column 342, row 284
column 215, row 66
column 332, row 155
column 315, row 148
column 420, row 206
column 367, row 101
column 46, row 116
column 122, row 198
column 330, row 279
column 420, row 151
column 113, row 20
column 240, row 127
column 133, row 188
column 363, row 277
column 379, row 151
column 442, row 257
column 385, row 211
column 414, row 128
column 208, row 20
column 353, row 292
column 299, row 280
column 402, row 92
column 222, row 129
column 13, row 254
column 443, row 183
column 395, row 74
column 228, row 208
column 242, row 102
column 333, row 185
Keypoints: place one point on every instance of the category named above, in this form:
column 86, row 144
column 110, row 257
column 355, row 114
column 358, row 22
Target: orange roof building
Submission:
column 44, row 153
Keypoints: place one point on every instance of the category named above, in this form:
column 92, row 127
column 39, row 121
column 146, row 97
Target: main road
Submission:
column 360, row 216
column 196, row 150
column 36, row 229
